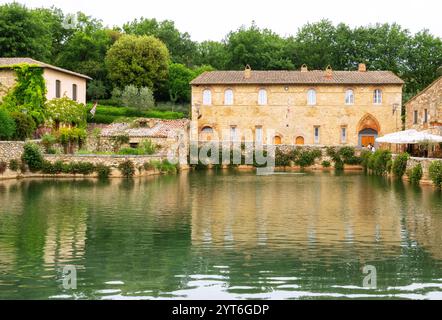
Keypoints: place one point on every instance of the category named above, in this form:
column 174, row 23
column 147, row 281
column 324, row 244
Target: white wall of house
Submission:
column 66, row 85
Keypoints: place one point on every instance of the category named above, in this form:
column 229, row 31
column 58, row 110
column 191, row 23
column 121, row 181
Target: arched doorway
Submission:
column 367, row 136
column 299, row 140
column 368, row 130
column 277, row 140
column 206, row 133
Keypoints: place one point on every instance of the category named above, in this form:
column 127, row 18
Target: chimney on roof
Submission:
column 247, row 72
column 329, row 72
column 304, row 68
column 362, row 67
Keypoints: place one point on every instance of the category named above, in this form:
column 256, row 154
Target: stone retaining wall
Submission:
column 425, row 163
column 11, row 150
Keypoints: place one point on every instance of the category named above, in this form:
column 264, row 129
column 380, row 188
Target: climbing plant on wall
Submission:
column 29, row 93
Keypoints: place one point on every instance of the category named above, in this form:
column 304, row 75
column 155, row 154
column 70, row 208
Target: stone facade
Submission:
column 289, row 114
column 424, row 111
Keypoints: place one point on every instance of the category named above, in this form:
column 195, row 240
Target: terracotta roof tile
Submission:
column 297, row 77
column 6, row 62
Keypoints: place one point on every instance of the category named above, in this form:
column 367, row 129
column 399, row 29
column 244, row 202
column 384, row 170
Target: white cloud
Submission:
column 214, row 19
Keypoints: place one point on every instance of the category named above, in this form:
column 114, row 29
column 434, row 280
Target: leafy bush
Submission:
column 130, row 151
column 378, row 161
column 14, row 165
column 48, row 140
column 148, row 166
column 7, row 127
column 389, row 166
column 24, row 125
column 400, row 165
column 339, row 164
column 131, row 96
column 147, row 147
column 165, row 166
column 103, row 171
column 307, row 158
column 47, row 167
column 415, row 174
column 69, row 137
column 326, row 164
column 347, row 155
column 127, row 168
column 32, row 157
column 67, row 111
column 435, row 171
column 282, row 159
column 365, row 158
column 119, row 140
column 3, row 167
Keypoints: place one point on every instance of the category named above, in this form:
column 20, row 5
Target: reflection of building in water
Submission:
column 286, row 212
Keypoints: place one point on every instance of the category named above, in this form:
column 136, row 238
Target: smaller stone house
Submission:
column 164, row 133
column 59, row 82
column 424, row 111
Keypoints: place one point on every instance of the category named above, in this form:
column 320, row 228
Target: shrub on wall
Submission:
column 14, row 165
column 400, row 165
column 3, row 167
column 326, row 164
column 435, row 171
column 7, row 127
column 29, row 93
column 306, row 158
column 378, row 161
column 32, row 157
column 24, row 125
column 365, row 157
column 48, row 140
column 103, row 171
column 127, row 168
column 415, row 174
column 69, row 137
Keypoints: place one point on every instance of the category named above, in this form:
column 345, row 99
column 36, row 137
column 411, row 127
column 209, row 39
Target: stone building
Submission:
column 424, row 111
column 166, row 135
column 59, row 82
column 301, row 107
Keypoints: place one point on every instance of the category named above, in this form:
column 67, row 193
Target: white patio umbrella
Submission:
column 409, row 137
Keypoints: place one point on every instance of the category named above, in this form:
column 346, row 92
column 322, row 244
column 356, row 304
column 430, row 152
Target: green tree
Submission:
column 178, row 82
column 314, row 45
column 423, row 58
column 261, row 49
column 24, row 33
column 7, row 127
column 212, row 53
column 182, row 49
column 142, row 61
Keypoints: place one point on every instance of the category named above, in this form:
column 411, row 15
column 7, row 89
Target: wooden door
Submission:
column 277, row 140
column 365, row 140
column 299, row 140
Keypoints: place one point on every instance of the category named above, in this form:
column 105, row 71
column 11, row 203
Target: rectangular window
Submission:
column 74, row 92
column 425, row 116
column 258, row 135
column 415, row 117
column 316, row 134
column 233, row 134
column 57, row 88
column 343, row 134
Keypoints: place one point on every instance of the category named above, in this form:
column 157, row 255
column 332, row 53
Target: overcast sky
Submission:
column 212, row 20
